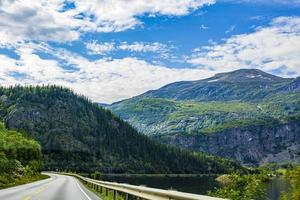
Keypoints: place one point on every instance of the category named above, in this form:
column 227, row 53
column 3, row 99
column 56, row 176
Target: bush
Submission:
column 241, row 187
column 96, row 175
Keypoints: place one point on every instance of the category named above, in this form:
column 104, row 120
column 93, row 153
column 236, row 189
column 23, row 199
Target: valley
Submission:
column 150, row 100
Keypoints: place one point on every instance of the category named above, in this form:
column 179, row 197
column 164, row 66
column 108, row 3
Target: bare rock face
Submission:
column 294, row 85
column 255, row 146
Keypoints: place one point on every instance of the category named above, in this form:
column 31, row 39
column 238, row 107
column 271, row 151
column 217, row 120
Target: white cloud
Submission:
column 100, row 48
column 44, row 20
column 231, row 28
column 144, row 47
column 103, row 80
column 203, row 27
column 103, row 48
column 270, row 48
column 36, row 20
column 119, row 15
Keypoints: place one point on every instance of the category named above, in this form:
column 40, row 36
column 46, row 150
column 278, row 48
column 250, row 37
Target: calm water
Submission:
column 198, row 185
column 275, row 187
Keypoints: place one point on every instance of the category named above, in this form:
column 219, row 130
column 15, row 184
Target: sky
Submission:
column 110, row 50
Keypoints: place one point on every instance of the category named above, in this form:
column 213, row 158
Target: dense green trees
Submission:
column 241, row 187
column 19, row 157
column 253, row 185
column 76, row 134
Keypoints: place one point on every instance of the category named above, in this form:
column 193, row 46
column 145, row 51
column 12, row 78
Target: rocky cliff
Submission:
column 249, row 145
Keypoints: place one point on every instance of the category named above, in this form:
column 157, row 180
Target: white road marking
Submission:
column 83, row 191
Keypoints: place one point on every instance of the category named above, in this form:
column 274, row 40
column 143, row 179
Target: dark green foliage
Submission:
column 241, row 187
column 20, row 158
column 79, row 135
column 96, row 175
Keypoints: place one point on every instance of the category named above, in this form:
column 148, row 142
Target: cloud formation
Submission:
column 144, row 47
column 99, row 48
column 102, row 48
column 103, row 80
column 61, row 21
column 119, row 15
column 28, row 57
column 37, row 20
column 272, row 48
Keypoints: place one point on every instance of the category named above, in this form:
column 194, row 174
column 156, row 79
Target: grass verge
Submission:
column 6, row 182
column 103, row 195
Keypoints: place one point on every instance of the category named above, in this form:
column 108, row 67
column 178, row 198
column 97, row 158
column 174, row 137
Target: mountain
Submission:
column 230, row 114
column 77, row 134
column 241, row 85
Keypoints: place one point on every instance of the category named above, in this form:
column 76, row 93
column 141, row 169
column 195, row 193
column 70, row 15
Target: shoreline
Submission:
column 159, row 175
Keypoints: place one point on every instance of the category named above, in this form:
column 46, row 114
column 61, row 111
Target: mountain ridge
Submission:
column 76, row 134
column 204, row 107
column 225, row 86
column 250, row 74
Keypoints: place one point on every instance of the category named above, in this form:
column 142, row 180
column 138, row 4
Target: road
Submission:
column 57, row 187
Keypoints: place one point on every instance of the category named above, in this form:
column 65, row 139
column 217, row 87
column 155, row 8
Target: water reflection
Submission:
column 276, row 187
column 198, row 185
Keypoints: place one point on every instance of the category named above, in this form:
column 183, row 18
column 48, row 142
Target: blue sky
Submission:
column 112, row 50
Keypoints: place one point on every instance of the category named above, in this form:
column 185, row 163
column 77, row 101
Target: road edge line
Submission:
column 87, row 196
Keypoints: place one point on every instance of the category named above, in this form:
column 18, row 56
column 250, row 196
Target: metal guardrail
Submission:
column 140, row 192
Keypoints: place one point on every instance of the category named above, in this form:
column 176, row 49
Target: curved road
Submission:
column 57, row 187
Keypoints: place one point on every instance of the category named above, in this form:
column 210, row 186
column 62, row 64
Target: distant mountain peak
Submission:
column 242, row 84
column 244, row 75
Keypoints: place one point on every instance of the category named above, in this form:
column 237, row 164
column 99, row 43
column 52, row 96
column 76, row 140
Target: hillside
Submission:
column 189, row 113
column 20, row 158
column 79, row 135
column 239, row 85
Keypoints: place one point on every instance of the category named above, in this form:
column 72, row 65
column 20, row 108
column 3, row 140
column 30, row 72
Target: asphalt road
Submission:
column 57, row 187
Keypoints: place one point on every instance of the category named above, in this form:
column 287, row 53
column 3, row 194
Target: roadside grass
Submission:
column 109, row 195
column 6, row 182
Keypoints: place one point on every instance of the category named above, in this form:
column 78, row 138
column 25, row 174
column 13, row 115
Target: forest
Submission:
column 76, row 134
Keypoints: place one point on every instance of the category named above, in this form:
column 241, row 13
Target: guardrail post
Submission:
column 106, row 191
column 100, row 189
column 115, row 195
column 125, row 196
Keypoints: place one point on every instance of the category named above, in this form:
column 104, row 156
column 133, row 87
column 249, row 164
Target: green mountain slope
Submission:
column 20, row 158
column 240, row 85
column 76, row 134
column 181, row 113
column 162, row 116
